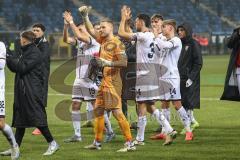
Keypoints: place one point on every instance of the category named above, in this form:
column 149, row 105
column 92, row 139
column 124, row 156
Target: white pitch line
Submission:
column 60, row 94
column 210, row 99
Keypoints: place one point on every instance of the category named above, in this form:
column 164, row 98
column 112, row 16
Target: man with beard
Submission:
column 112, row 59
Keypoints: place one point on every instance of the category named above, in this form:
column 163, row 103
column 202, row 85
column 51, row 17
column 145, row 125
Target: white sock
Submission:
column 107, row 123
column 8, row 133
column 185, row 119
column 156, row 115
column 142, row 122
column 167, row 114
column 76, row 120
column 89, row 109
column 129, row 143
column 166, row 127
column 96, row 143
column 191, row 117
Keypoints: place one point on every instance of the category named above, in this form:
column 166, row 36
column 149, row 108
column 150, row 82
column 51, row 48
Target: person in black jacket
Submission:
column 28, row 108
column 43, row 45
column 232, row 81
column 189, row 65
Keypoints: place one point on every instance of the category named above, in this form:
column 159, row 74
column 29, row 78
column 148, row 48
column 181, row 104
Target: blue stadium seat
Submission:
column 181, row 10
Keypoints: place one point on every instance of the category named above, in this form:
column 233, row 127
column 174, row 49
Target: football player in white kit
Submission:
column 169, row 82
column 156, row 23
column 147, row 90
column 84, row 88
column 5, row 128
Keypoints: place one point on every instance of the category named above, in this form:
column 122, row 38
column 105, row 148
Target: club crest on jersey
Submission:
column 110, row 46
column 186, row 48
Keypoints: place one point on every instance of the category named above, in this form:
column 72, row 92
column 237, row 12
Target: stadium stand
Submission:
column 211, row 20
column 228, row 8
column 24, row 13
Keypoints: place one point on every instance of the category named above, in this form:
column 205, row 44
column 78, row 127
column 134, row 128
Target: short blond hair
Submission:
column 171, row 22
column 107, row 20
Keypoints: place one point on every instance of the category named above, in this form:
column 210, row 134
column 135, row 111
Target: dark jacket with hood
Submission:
column 43, row 46
column 231, row 88
column 189, row 66
column 28, row 107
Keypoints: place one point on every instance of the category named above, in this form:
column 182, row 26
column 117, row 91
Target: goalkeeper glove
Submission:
column 84, row 10
column 104, row 63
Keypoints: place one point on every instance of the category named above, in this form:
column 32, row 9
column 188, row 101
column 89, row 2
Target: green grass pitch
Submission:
column 216, row 139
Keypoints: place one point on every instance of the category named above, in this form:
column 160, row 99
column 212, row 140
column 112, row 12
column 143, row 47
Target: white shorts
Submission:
column 84, row 90
column 2, row 102
column 147, row 88
column 169, row 89
column 238, row 70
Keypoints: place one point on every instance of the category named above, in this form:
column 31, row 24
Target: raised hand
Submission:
column 129, row 13
column 67, row 17
column 65, row 22
column 126, row 12
column 84, row 10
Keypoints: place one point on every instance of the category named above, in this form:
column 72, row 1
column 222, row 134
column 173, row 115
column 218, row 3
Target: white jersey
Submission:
column 157, row 50
column 85, row 53
column 2, row 61
column 2, row 79
column 168, row 53
column 161, row 36
column 146, row 82
column 145, row 52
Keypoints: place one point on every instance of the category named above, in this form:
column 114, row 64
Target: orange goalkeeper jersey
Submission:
column 112, row 50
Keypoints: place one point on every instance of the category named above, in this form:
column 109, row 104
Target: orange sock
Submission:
column 124, row 125
column 98, row 128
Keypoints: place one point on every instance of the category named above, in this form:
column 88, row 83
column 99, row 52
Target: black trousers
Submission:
column 44, row 130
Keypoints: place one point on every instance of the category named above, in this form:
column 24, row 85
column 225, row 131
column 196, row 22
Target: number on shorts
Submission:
column 139, row 91
column 1, row 104
column 92, row 91
column 172, row 91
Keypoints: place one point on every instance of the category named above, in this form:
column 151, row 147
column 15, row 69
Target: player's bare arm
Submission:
column 125, row 16
column 66, row 37
column 80, row 36
column 164, row 44
column 84, row 11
